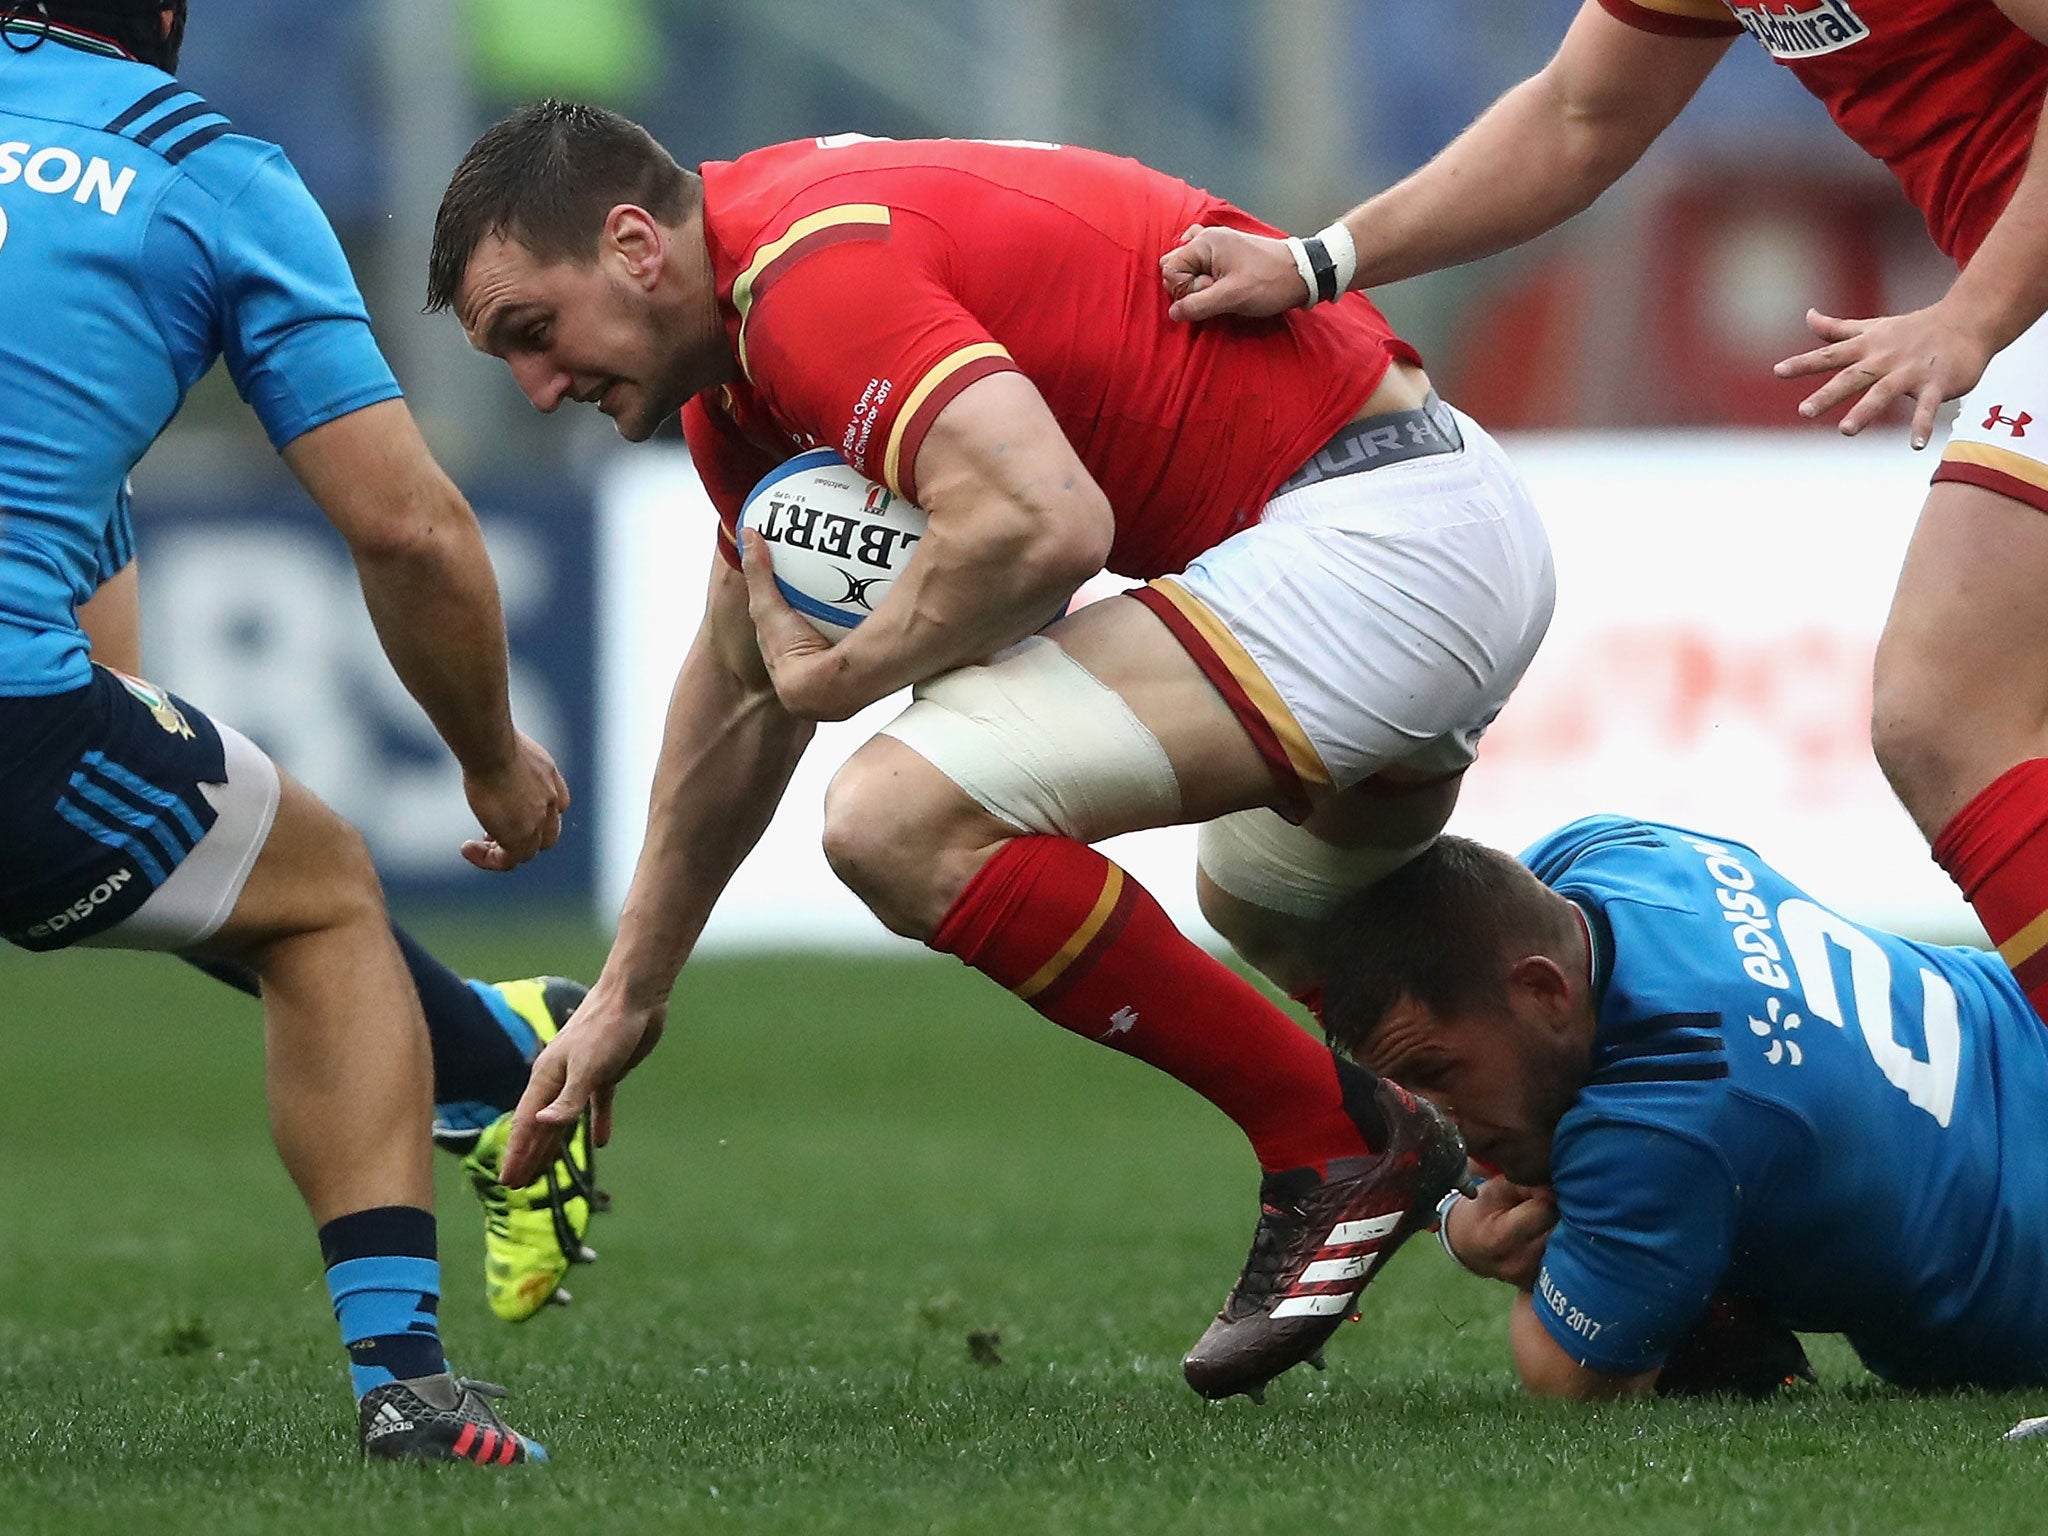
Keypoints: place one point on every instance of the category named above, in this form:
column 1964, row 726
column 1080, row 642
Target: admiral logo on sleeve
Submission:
column 1792, row 34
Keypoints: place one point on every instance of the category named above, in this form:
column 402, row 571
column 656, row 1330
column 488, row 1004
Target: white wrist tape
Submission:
column 1327, row 261
column 1298, row 249
column 1343, row 253
column 1444, row 1207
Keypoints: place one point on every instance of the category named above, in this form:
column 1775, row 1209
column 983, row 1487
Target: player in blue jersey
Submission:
column 142, row 238
column 482, row 1036
column 1696, row 1080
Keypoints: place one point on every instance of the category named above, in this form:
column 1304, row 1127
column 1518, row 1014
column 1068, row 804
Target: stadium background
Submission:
column 844, row 1165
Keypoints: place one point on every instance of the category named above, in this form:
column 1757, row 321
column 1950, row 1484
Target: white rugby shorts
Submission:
column 1372, row 620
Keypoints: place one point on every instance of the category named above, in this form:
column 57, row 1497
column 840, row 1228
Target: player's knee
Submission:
column 1266, row 885
column 313, row 876
column 343, row 867
column 1933, row 747
column 884, row 837
column 1274, row 944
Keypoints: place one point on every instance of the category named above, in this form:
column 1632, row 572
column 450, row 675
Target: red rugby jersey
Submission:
column 865, row 282
column 1945, row 92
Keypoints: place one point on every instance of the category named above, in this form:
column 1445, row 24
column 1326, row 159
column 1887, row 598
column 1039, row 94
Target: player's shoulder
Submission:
column 1656, row 1093
column 855, row 183
column 193, row 139
column 1622, row 856
column 1676, row 18
column 144, row 122
column 758, row 195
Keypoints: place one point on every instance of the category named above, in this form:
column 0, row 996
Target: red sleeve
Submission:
column 1675, row 18
column 727, row 463
column 846, row 335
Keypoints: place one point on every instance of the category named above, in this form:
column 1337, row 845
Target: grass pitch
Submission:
column 845, row 1192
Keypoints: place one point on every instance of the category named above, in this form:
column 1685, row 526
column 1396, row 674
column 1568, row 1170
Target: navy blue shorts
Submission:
column 99, row 802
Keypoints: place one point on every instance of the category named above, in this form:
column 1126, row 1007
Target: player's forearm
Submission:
column 425, row 573
column 1530, row 162
column 1547, row 1371
column 727, row 752
column 2004, row 289
column 980, row 581
column 434, row 601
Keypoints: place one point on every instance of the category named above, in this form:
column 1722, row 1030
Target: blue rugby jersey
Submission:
column 141, row 238
column 1842, row 1125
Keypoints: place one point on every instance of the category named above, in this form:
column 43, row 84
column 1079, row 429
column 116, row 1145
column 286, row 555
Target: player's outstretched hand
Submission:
column 800, row 661
column 1922, row 358
column 1227, row 272
column 604, row 1040
column 519, row 807
column 1500, row 1232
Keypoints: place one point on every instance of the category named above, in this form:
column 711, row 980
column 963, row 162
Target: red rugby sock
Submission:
column 1088, row 947
column 1996, row 849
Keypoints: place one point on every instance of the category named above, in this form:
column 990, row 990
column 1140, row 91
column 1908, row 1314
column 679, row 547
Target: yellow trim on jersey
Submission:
column 2022, row 946
column 809, row 224
column 2004, row 460
column 1301, row 752
column 1692, row 10
column 1080, row 939
column 936, row 375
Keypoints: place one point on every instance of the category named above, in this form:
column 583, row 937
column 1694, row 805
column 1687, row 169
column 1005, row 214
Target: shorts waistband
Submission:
column 1374, row 442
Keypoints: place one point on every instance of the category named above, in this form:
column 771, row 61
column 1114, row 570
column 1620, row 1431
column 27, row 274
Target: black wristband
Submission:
column 1324, row 266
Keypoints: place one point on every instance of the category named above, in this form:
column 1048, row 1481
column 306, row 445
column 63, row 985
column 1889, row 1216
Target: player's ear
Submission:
column 638, row 239
column 1542, row 983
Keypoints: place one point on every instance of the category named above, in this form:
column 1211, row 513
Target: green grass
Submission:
column 830, row 1176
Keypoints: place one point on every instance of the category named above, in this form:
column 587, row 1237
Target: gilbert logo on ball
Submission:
column 837, row 540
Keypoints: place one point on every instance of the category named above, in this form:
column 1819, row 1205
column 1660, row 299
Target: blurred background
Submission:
column 1723, row 569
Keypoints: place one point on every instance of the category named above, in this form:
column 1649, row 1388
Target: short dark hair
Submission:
column 137, row 25
column 546, row 177
column 1438, row 931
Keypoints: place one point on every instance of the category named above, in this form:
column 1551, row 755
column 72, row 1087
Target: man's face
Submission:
column 1506, row 1073
column 591, row 332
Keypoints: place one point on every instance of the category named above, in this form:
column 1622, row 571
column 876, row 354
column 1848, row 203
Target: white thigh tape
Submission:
column 1262, row 858
column 1041, row 744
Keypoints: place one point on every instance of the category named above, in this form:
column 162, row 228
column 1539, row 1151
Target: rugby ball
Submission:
column 836, row 539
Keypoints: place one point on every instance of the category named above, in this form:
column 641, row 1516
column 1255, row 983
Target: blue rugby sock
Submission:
column 386, row 1288
column 481, row 1047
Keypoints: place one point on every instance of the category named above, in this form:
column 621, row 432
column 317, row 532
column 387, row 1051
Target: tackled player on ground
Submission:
column 1721, row 1112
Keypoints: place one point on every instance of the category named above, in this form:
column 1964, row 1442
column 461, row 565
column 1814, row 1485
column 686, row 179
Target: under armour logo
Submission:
column 1122, row 1022
column 1998, row 418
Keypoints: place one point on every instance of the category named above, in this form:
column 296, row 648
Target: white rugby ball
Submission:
column 836, row 539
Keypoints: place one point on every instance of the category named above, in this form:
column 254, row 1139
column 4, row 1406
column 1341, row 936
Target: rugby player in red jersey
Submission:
column 1948, row 94
column 1349, row 580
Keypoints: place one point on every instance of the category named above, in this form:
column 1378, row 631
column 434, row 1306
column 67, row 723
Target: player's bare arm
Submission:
column 1547, row 1371
column 1017, row 523
column 1541, row 154
column 727, row 752
column 428, row 583
column 1938, row 353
